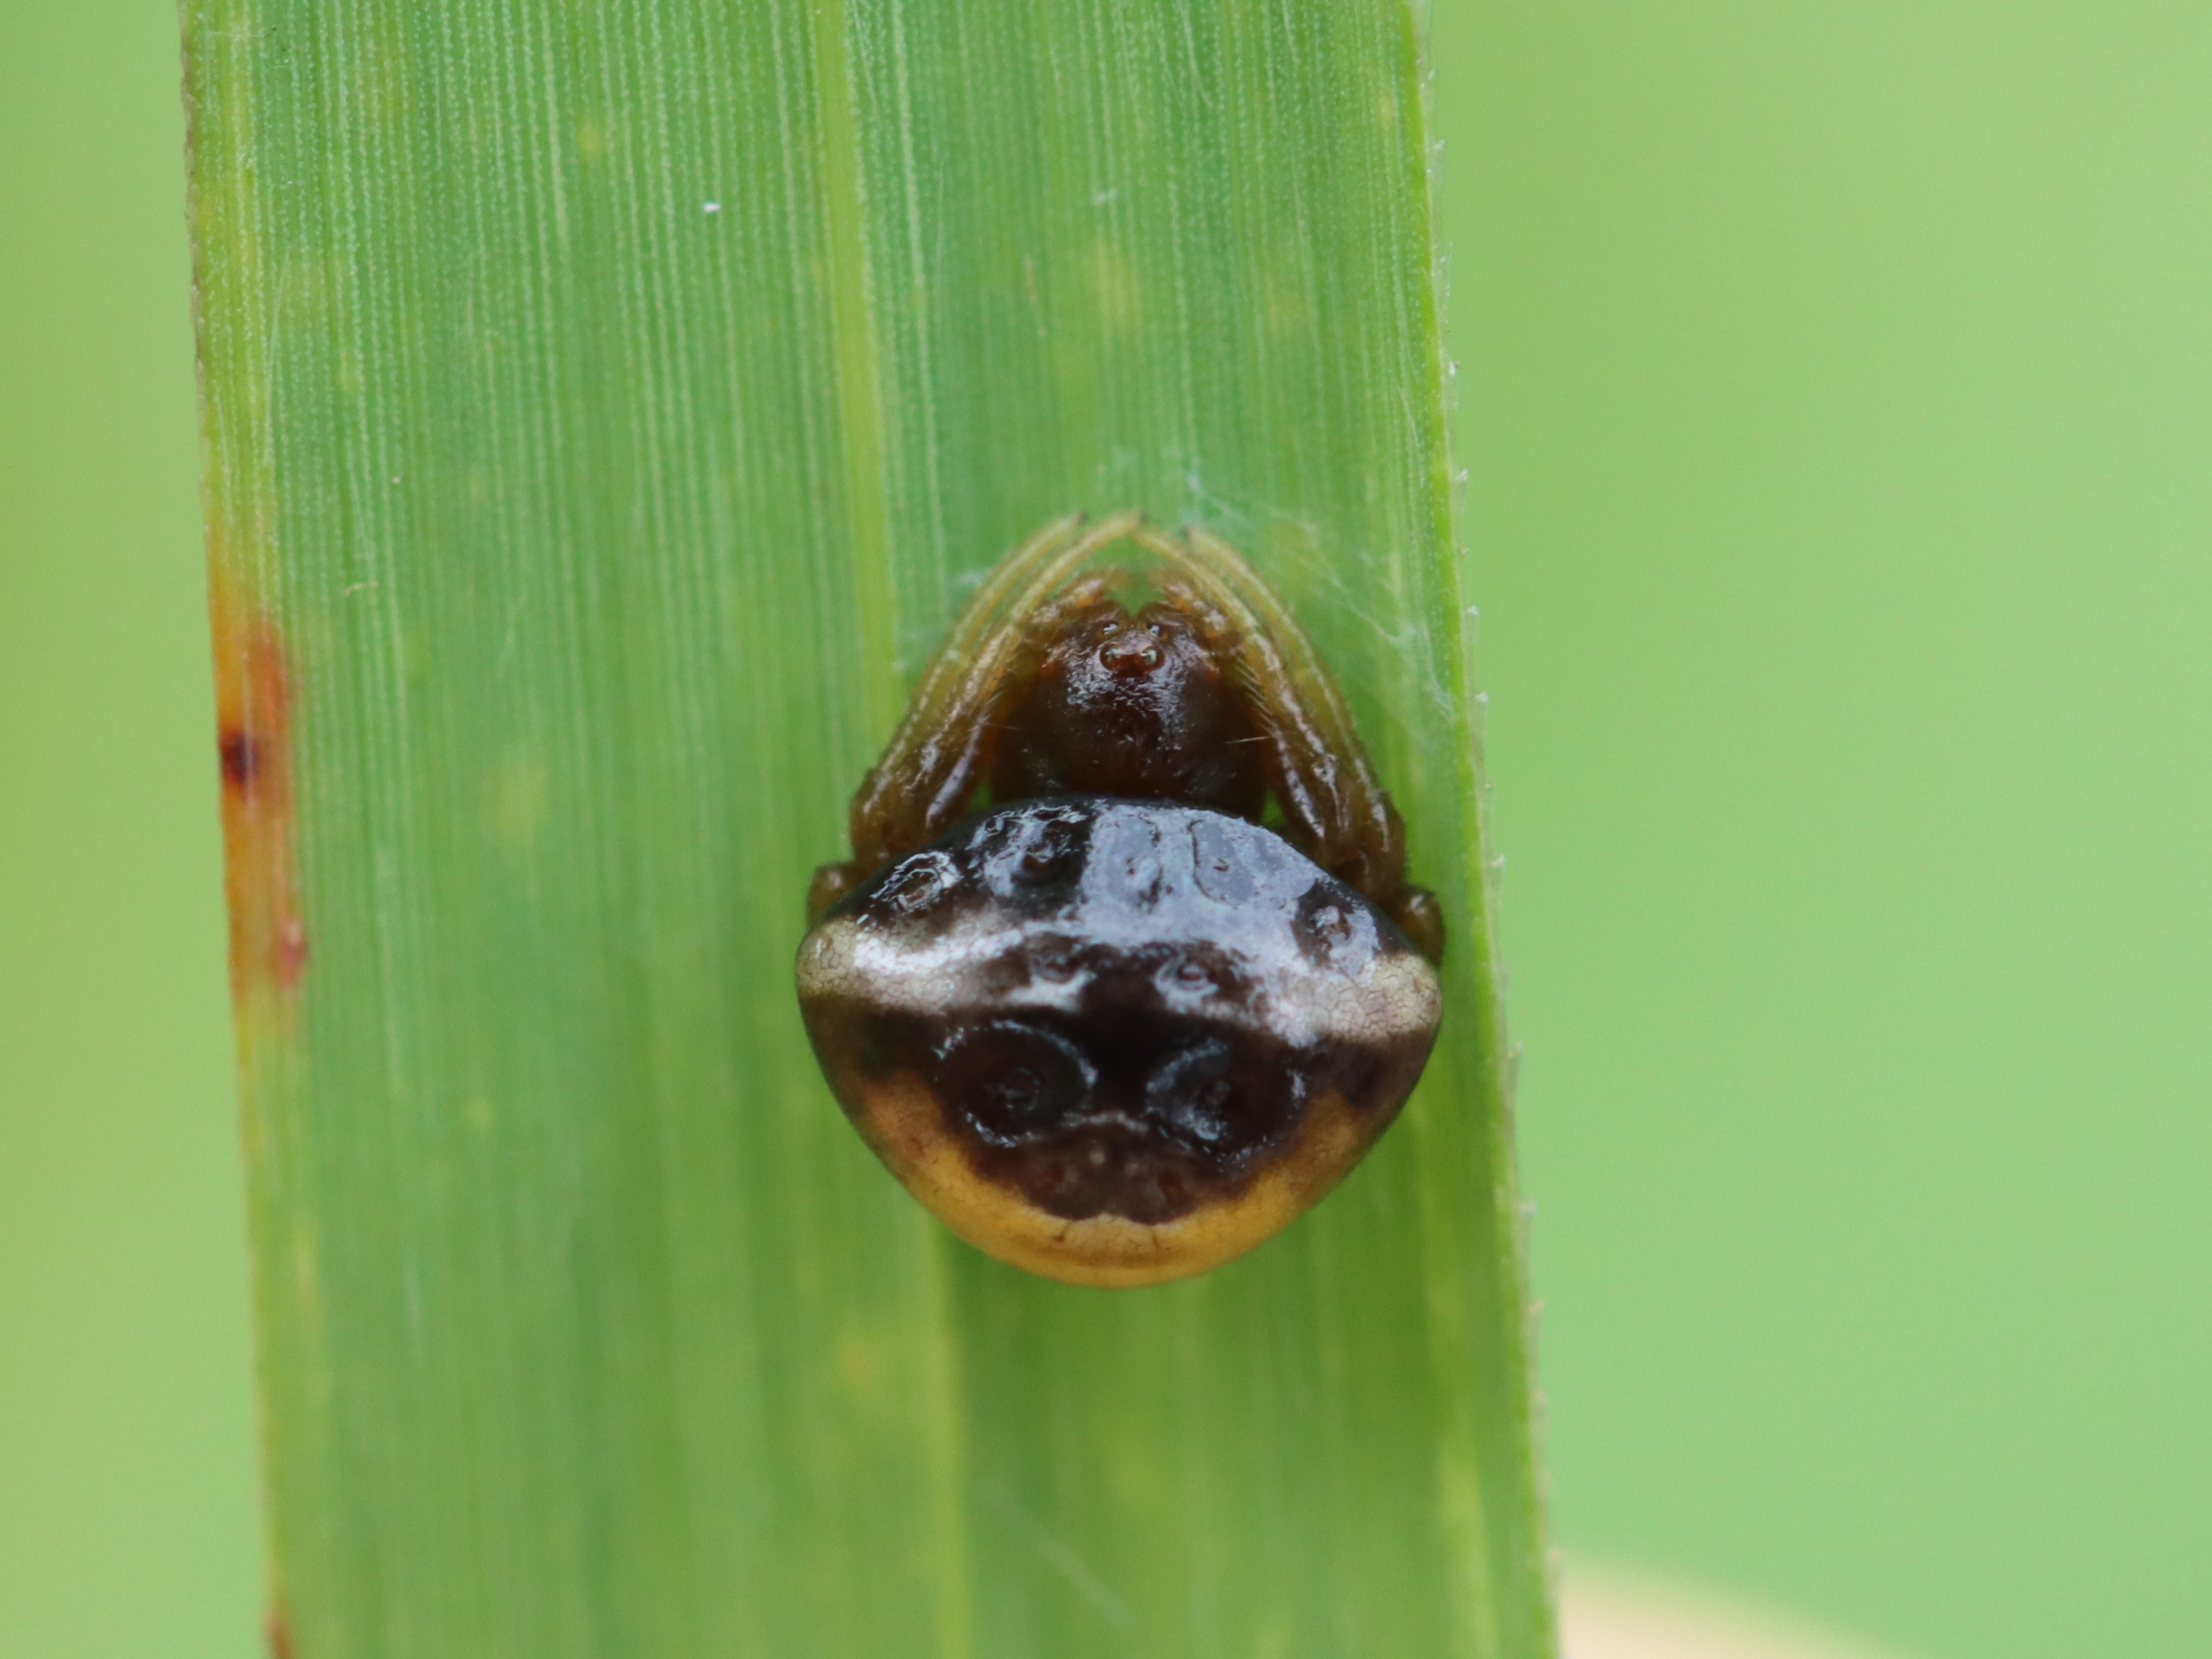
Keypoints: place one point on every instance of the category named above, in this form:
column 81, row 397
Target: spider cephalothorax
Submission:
column 1114, row 1028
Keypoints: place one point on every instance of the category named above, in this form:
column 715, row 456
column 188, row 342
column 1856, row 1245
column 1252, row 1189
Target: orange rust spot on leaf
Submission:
column 280, row 1636
column 253, row 744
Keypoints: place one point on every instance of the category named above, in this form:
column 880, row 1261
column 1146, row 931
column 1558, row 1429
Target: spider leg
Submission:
column 1316, row 765
column 941, row 750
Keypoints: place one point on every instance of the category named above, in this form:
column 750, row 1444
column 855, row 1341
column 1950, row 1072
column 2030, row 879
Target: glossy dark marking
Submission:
column 1329, row 930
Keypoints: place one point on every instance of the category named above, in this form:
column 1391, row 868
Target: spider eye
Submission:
column 1134, row 653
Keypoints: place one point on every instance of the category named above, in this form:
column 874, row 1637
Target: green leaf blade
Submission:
column 607, row 412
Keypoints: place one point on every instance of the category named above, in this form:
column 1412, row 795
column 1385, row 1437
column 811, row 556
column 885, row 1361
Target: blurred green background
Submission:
column 1836, row 387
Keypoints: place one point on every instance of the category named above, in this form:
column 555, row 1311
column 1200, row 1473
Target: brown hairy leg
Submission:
column 1317, row 767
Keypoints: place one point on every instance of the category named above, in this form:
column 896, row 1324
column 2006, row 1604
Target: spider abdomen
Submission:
column 1115, row 1041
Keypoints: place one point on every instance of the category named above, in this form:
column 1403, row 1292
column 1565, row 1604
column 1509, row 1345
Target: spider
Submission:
column 1115, row 1028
